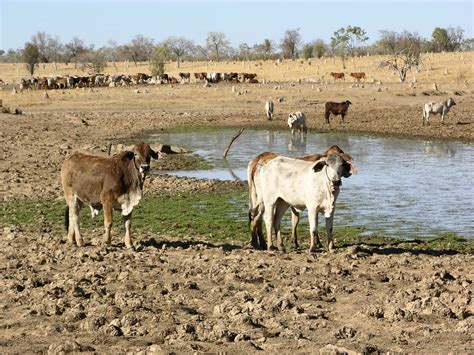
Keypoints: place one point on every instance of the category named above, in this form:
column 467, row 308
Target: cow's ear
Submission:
column 319, row 166
column 154, row 154
column 128, row 155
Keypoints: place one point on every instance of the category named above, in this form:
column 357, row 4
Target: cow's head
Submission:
column 348, row 103
column 337, row 167
column 143, row 154
column 450, row 102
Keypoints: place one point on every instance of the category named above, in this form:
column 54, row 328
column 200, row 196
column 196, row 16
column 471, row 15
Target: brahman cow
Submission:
column 441, row 108
column 336, row 108
column 104, row 182
column 255, row 220
column 269, row 109
column 297, row 122
column 286, row 182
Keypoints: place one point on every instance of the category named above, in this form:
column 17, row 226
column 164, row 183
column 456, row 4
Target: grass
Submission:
column 213, row 217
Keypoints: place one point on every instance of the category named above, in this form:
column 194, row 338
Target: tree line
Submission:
column 346, row 42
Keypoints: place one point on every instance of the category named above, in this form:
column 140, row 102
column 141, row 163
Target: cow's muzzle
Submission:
column 144, row 168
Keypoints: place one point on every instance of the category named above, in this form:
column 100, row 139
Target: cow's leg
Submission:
column 108, row 215
column 74, row 229
column 329, row 222
column 442, row 117
column 255, row 217
column 128, row 222
column 327, row 117
column 295, row 219
column 342, row 115
column 313, row 229
column 268, row 217
column 280, row 209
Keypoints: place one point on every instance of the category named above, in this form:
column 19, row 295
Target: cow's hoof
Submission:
column 282, row 249
column 130, row 247
column 272, row 248
column 331, row 248
column 313, row 250
column 80, row 243
column 296, row 246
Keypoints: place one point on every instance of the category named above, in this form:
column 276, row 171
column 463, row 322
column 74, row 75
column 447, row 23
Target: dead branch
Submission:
column 232, row 141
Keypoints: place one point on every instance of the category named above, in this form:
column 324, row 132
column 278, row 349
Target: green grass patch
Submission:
column 212, row 216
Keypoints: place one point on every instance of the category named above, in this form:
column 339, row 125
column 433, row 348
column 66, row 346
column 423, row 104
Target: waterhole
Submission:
column 404, row 187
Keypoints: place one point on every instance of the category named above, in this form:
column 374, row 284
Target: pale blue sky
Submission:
column 242, row 21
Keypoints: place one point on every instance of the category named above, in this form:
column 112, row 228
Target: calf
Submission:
column 104, row 182
column 441, row 108
column 297, row 122
column 269, row 109
column 285, row 182
column 255, row 220
column 336, row 108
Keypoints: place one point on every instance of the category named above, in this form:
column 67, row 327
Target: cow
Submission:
column 255, row 220
column 297, row 122
column 336, row 108
column 358, row 76
column 337, row 76
column 214, row 78
column 104, row 182
column 286, row 182
column 61, row 82
column 200, row 76
column 441, row 108
column 185, row 77
column 269, row 109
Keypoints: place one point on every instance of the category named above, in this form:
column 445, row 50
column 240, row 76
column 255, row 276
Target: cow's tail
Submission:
column 66, row 218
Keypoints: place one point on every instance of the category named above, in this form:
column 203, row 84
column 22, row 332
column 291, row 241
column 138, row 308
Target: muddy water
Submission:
column 404, row 187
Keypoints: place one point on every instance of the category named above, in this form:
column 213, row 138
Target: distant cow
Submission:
column 336, row 108
column 358, row 76
column 104, row 182
column 200, row 76
column 214, row 78
column 255, row 214
column 269, row 109
column 297, row 122
column 441, row 108
column 185, row 76
column 337, row 75
column 285, row 182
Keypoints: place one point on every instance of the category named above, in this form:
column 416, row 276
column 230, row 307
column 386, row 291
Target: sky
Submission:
column 97, row 22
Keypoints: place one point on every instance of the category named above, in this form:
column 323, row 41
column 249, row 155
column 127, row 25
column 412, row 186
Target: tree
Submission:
column 95, row 61
column 245, row 52
column 456, row 38
column 73, row 50
column 179, row 47
column 290, row 43
column 217, row 43
column 140, row 49
column 308, row 50
column 267, row 48
column 160, row 56
column 320, row 48
column 31, row 56
column 50, row 49
column 346, row 40
column 403, row 60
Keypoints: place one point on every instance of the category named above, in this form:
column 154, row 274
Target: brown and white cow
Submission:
column 185, row 77
column 286, row 182
column 104, row 182
column 255, row 214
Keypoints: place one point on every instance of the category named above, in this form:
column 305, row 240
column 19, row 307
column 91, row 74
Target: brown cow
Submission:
column 336, row 108
column 200, row 76
column 358, row 76
column 255, row 212
column 337, row 75
column 185, row 77
column 104, row 182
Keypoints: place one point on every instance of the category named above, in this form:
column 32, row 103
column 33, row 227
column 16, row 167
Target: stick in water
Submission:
column 232, row 141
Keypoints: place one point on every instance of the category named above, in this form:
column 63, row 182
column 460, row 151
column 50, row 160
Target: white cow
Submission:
column 297, row 122
column 269, row 109
column 286, row 182
column 441, row 108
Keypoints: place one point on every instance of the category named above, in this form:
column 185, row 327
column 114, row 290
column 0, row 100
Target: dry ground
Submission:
column 175, row 295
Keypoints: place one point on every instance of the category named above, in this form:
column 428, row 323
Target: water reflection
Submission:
column 403, row 185
column 439, row 148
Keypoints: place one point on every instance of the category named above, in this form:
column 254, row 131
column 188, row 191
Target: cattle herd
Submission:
column 101, row 80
